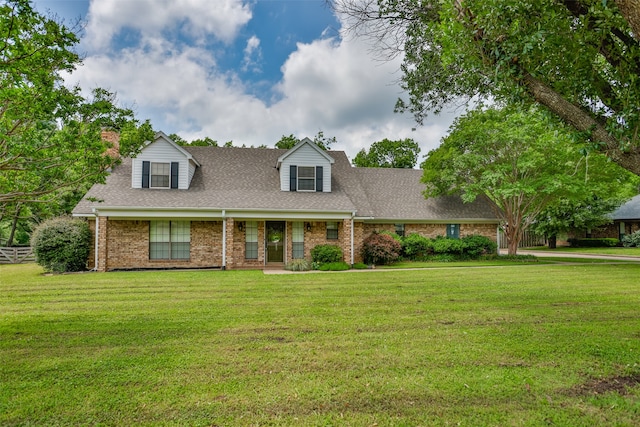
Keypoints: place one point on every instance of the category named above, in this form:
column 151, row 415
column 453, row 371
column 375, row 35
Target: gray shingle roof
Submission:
column 247, row 178
column 629, row 210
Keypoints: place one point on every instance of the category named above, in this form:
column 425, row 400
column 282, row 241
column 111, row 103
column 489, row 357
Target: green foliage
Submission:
column 578, row 59
column 360, row 266
column 288, row 142
column 593, row 242
column 449, row 246
column 631, row 240
column 62, row 244
column 323, row 254
column 50, row 133
column 380, row 248
column 389, row 154
column 521, row 162
column 416, row 247
column 476, row 246
column 334, row 266
column 298, row 265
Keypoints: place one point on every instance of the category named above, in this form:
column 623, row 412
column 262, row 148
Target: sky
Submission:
column 247, row 71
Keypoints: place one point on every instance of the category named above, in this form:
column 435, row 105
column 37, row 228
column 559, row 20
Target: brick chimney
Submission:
column 114, row 138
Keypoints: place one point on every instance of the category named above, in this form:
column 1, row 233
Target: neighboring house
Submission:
column 625, row 220
column 229, row 207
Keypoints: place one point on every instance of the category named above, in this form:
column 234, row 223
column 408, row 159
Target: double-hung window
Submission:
column 306, row 178
column 297, row 240
column 169, row 240
column 160, row 175
column 332, row 230
column 400, row 230
column 251, row 240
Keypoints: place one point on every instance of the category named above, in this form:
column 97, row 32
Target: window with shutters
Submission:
column 160, row 175
column 306, row 178
column 297, row 240
column 251, row 240
column 169, row 240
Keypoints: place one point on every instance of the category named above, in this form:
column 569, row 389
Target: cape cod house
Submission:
column 226, row 207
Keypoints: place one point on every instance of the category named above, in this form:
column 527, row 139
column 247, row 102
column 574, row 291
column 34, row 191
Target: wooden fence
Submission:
column 16, row 255
column 529, row 240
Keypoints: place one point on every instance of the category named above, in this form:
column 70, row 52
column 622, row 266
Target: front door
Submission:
column 275, row 241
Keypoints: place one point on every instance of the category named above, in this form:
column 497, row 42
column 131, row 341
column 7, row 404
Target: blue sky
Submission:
column 245, row 71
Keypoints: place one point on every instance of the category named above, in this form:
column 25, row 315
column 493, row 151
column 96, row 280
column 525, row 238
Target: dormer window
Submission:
column 306, row 178
column 160, row 174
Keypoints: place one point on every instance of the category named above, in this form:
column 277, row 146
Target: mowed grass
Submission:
column 522, row 345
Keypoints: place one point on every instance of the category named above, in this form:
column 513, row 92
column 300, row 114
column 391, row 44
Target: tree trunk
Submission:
column 552, row 241
column 630, row 9
column 14, row 224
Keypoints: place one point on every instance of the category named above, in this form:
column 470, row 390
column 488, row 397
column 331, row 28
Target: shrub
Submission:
column 298, row 265
column 475, row 246
column 360, row 266
column 593, row 243
column 323, row 254
column 447, row 245
column 631, row 240
column 416, row 247
column 62, row 244
column 334, row 266
column 380, row 248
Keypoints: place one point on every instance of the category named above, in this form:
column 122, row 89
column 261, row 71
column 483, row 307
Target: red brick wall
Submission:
column 124, row 244
column 127, row 246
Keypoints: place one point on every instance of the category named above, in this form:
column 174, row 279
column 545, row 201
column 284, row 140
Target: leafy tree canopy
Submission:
column 578, row 58
column 389, row 154
column 288, row 142
column 521, row 161
column 50, row 135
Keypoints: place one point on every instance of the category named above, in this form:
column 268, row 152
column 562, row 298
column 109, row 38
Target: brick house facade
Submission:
column 235, row 208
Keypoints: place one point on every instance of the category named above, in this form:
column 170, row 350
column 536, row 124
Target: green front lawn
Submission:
column 510, row 345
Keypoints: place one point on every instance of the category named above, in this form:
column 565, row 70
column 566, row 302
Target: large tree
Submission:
column 578, row 58
column 521, row 162
column 389, row 154
column 50, row 135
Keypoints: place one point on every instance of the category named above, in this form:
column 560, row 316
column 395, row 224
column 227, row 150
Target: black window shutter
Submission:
column 174, row 174
column 293, row 177
column 146, row 170
column 319, row 178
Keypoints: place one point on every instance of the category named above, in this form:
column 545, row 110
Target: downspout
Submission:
column 95, row 243
column 224, row 240
column 353, row 214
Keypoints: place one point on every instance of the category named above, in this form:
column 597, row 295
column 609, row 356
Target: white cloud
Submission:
column 330, row 85
column 252, row 55
column 198, row 18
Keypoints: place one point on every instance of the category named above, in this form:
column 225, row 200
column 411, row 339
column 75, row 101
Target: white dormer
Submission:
column 305, row 167
column 163, row 164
